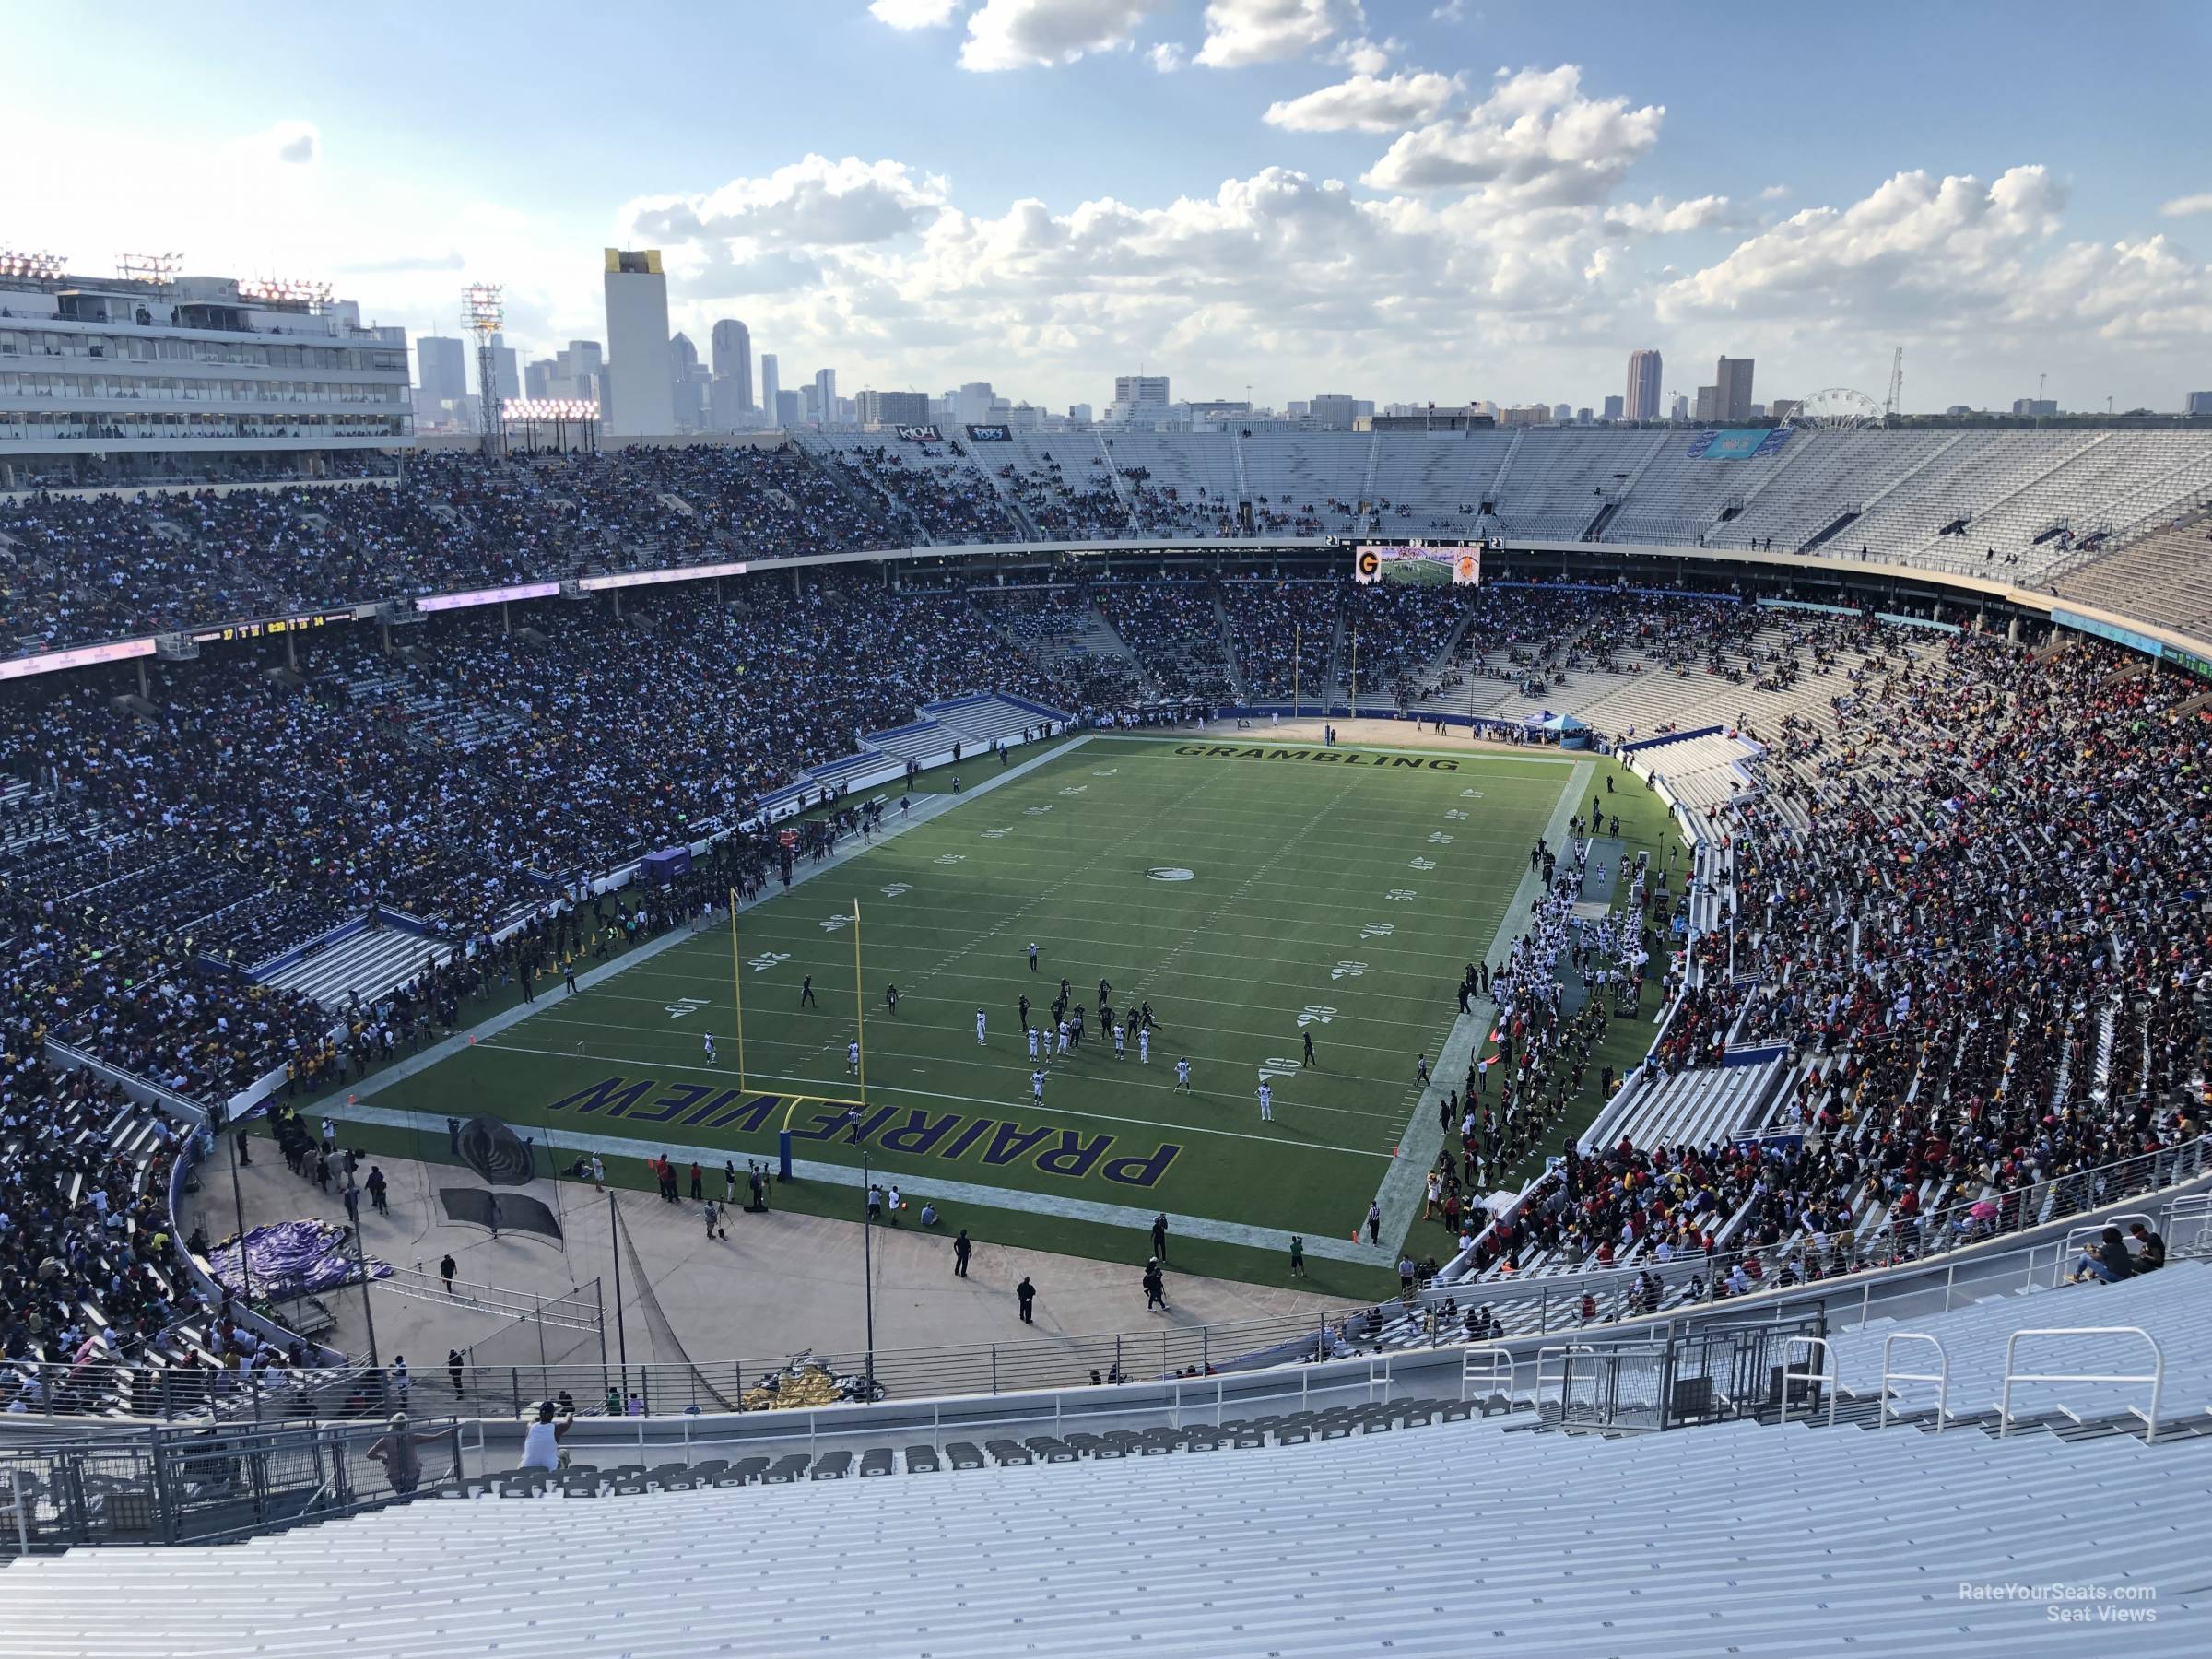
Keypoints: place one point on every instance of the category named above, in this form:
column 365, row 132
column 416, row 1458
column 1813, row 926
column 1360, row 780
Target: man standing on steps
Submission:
column 962, row 1248
column 1026, row 1293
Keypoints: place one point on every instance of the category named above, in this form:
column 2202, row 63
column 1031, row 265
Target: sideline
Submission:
column 1406, row 1179
column 1137, row 1221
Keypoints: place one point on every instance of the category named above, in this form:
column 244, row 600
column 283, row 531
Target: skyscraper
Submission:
column 825, row 396
column 1642, row 401
column 505, row 374
column 770, row 405
column 1731, row 386
column 443, row 369
column 639, row 402
column 1150, row 390
column 1614, row 406
column 733, row 347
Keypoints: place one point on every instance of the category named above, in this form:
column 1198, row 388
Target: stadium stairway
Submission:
column 1394, row 1533
column 367, row 963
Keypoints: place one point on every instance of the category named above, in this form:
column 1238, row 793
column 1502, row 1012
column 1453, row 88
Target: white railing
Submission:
column 1826, row 1374
column 2156, row 1376
column 1941, row 1378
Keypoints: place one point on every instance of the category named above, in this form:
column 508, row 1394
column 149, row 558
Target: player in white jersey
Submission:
column 1183, row 1076
column 1144, row 1045
column 709, row 1038
column 1266, row 1103
column 1033, row 1043
column 1037, row 1087
column 1117, row 1043
column 1063, row 1038
column 979, row 1027
column 853, row 1057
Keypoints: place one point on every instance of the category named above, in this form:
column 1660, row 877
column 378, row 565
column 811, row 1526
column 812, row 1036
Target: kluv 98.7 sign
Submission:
column 1458, row 564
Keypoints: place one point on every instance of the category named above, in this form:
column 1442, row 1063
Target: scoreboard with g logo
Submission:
column 1458, row 564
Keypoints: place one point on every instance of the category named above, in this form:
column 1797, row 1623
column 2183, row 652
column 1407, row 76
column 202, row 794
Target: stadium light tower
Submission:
column 483, row 309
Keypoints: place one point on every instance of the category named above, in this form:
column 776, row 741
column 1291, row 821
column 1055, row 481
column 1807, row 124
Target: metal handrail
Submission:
column 1497, row 1364
column 1564, row 1352
column 1942, row 1379
column 1827, row 1375
column 2156, row 1376
column 2192, row 1210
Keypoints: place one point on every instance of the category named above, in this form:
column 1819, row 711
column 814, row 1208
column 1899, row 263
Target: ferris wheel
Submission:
column 1837, row 409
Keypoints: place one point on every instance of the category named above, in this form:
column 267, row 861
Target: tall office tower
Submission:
column 733, row 347
column 444, row 370
column 1614, row 406
column 1642, row 401
column 825, row 396
column 771, row 404
column 1731, row 386
column 641, row 402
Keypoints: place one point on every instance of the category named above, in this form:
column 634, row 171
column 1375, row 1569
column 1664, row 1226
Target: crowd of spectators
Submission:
column 1284, row 634
column 931, row 486
column 80, row 569
column 1065, row 507
column 1970, row 904
column 1175, row 632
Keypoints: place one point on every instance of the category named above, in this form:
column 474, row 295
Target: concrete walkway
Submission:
column 784, row 1282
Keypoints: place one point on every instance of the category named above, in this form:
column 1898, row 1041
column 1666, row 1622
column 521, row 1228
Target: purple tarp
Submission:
column 292, row 1258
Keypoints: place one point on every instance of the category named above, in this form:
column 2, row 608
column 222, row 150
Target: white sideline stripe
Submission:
column 1327, row 1245
column 1405, row 1180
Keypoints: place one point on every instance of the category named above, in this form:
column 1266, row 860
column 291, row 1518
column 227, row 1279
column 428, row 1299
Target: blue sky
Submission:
column 1401, row 201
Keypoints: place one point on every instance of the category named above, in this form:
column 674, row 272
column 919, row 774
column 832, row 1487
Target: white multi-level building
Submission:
column 164, row 378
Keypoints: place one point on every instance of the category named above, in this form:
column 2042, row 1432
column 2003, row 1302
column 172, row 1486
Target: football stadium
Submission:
column 1307, row 1031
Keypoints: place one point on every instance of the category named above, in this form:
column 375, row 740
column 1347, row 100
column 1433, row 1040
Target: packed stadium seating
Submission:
column 2011, row 503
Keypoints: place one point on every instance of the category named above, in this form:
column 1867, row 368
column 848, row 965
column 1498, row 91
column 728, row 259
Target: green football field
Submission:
column 1254, row 894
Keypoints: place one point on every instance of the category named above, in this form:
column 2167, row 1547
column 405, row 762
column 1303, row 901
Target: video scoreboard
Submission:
column 1459, row 563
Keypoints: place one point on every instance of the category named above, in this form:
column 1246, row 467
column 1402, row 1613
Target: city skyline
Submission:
column 1416, row 202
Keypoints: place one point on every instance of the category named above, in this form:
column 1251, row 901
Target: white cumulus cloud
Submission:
column 1536, row 138
column 1365, row 104
column 1241, row 32
column 812, row 203
column 2180, row 207
column 1029, row 34
column 1168, row 57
